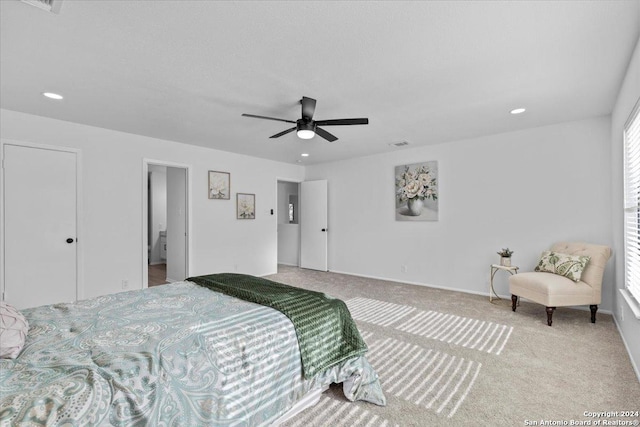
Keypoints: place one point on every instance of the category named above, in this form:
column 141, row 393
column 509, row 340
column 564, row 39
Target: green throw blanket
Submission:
column 327, row 335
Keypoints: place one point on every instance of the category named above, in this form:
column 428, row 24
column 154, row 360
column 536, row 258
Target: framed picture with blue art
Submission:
column 417, row 192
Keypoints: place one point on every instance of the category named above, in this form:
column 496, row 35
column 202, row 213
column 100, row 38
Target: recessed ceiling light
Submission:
column 518, row 110
column 304, row 155
column 52, row 95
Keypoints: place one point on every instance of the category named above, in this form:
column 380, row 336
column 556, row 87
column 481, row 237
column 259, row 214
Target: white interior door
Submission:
column 176, row 224
column 313, row 225
column 40, row 207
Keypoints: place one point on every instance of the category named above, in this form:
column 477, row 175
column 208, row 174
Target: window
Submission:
column 632, row 203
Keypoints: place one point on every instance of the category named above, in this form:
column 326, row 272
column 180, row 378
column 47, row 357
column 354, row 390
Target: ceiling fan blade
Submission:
column 284, row 132
column 268, row 118
column 342, row 122
column 326, row 135
column 308, row 107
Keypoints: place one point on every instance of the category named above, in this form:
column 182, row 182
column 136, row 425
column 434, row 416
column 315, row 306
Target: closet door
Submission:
column 40, row 208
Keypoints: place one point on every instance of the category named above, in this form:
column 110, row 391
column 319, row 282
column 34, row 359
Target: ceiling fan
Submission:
column 306, row 127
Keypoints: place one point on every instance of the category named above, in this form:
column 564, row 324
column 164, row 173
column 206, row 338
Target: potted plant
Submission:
column 505, row 257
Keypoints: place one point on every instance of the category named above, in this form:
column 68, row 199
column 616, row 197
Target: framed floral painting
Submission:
column 417, row 192
column 219, row 185
column 246, row 206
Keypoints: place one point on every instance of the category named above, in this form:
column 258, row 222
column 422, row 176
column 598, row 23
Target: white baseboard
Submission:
column 286, row 263
column 386, row 279
column 446, row 288
column 633, row 362
column 266, row 274
column 157, row 262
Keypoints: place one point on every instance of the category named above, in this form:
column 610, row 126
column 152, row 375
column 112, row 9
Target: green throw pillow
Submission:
column 569, row 266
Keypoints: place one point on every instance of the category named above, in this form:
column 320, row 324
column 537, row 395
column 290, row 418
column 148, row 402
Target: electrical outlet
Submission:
column 125, row 284
column 403, row 268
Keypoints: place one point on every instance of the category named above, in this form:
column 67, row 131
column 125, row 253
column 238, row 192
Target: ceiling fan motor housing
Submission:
column 302, row 124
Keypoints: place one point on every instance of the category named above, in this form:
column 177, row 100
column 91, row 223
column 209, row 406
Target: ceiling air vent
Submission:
column 399, row 144
column 52, row 6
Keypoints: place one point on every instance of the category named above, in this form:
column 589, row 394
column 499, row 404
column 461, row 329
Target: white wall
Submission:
column 288, row 234
column 525, row 190
column 629, row 94
column 112, row 180
column 158, row 214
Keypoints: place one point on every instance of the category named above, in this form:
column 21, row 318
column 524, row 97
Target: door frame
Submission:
column 299, row 182
column 295, row 181
column 145, row 212
column 79, row 216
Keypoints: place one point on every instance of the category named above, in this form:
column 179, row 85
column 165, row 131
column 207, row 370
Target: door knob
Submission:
column 69, row 240
column 324, row 229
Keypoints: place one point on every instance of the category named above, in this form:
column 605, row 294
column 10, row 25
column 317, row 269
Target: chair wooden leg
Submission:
column 514, row 302
column 550, row 314
column 593, row 308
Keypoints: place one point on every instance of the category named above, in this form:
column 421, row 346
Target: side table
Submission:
column 512, row 269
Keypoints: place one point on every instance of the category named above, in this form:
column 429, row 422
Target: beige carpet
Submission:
column 449, row 358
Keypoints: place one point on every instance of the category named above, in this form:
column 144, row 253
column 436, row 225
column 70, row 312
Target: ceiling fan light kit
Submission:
column 305, row 130
column 306, row 127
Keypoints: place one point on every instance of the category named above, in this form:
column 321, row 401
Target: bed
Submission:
column 179, row 354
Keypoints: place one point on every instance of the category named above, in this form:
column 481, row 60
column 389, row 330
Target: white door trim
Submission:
column 296, row 181
column 145, row 222
column 79, row 204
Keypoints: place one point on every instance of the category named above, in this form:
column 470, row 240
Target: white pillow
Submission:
column 13, row 331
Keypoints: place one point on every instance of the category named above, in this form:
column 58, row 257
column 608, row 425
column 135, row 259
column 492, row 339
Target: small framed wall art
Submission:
column 246, row 206
column 219, row 185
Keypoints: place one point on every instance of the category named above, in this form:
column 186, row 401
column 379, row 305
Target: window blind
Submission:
column 632, row 202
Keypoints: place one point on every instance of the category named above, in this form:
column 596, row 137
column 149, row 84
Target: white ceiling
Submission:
column 425, row 72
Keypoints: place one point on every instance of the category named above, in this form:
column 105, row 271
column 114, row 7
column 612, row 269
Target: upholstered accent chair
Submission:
column 555, row 290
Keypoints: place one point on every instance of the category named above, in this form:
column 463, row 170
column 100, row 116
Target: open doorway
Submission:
column 166, row 220
column 288, row 223
column 302, row 224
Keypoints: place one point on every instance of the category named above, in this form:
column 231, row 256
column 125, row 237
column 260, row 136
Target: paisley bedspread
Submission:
column 172, row 355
